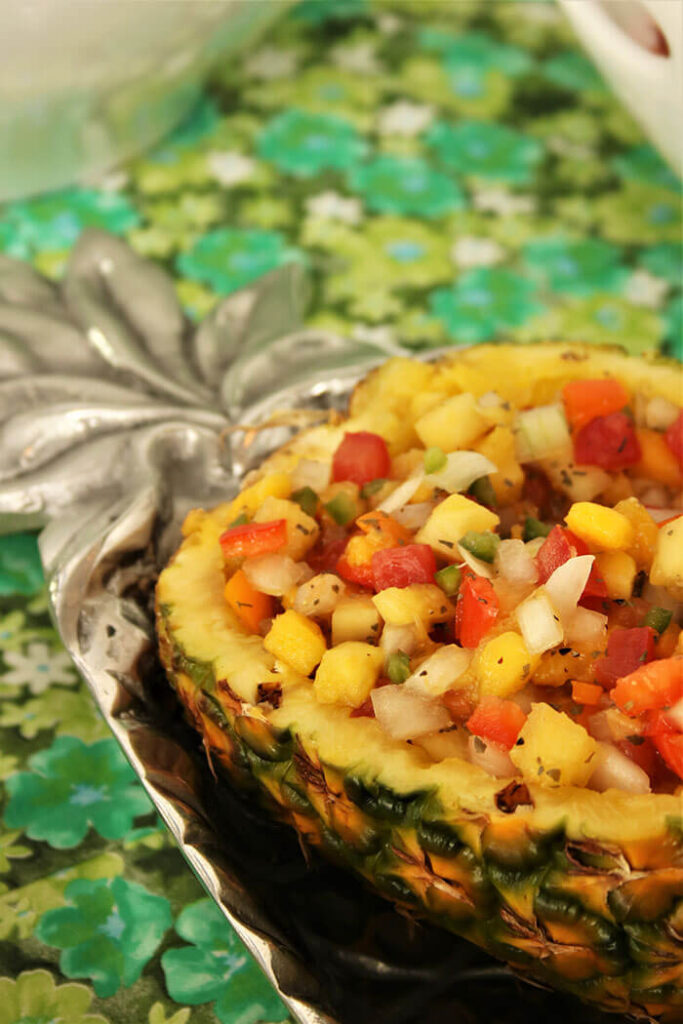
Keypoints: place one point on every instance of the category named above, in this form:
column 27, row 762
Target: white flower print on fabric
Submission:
column 38, row 667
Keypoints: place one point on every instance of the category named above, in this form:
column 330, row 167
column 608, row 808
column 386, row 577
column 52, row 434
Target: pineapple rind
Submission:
column 582, row 890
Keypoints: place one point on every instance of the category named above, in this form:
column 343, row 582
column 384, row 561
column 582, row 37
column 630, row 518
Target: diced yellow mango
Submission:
column 604, row 529
column 645, row 532
column 347, row 673
column 355, row 618
column 424, row 401
column 667, row 567
column 274, row 485
column 451, row 520
column 499, row 447
column 552, row 750
column 302, row 530
column 297, row 640
column 455, row 423
column 503, row 665
column 618, row 569
column 657, row 461
column 423, row 603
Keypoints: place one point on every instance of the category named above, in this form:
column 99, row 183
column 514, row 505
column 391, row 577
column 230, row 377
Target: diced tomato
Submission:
column 399, row 567
column 497, row 720
column 250, row 539
column 656, row 685
column 361, row 573
column 476, row 610
column 328, row 549
column 627, row 650
column 642, row 751
column 607, row 441
column 559, row 546
column 361, row 457
column 674, row 438
column 585, row 400
column 670, row 746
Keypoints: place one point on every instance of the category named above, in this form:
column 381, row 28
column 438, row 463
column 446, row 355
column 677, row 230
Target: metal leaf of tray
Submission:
column 116, row 417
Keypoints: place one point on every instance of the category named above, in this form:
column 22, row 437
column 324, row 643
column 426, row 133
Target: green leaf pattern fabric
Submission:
column 446, row 173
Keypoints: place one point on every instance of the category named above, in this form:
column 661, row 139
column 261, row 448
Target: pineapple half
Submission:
column 579, row 889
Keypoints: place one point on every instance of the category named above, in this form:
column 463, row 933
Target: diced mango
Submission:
column 355, row 618
column 618, row 569
column 455, row 423
column 274, row 485
column 645, row 534
column 552, row 750
column 347, row 673
column 657, row 461
column 451, row 520
column 250, row 605
column 667, row 567
column 423, row 402
column 422, row 603
column 499, row 447
column 297, row 640
column 603, row 529
column 503, row 665
column 302, row 529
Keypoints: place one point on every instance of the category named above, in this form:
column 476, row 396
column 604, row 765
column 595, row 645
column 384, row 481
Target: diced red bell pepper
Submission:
column 627, row 650
column 559, row 546
column 670, row 746
column 585, row 400
column 476, row 610
column 401, row 566
column 497, row 720
column 674, row 438
column 361, row 573
column 250, row 539
column 361, row 457
column 607, row 441
column 658, row 684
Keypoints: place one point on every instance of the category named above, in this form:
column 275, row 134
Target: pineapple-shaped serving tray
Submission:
column 116, row 417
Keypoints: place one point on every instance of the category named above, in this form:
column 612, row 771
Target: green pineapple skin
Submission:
column 574, row 916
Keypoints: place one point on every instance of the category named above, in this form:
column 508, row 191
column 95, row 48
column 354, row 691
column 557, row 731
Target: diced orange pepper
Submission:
column 657, row 461
column 384, row 524
column 586, row 693
column 584, row 400
column 379, row 531
column 251, row 605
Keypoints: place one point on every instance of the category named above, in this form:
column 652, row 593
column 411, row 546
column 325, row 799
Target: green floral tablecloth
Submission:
column 446, row 171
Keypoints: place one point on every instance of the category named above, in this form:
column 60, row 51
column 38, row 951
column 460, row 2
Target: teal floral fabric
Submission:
column 446, row 172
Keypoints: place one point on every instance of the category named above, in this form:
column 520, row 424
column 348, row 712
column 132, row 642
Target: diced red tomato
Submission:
column 476, row 610
column 251, row 539
column 627, row 650
column 360, row 573
column 607, row 441
column 656, row 685
column 497, row 720
column 328, row 549
column 585, row 400
column 670, row 746
column 399, row 567
column 674, row 438
column 361, row 457
column 559, row 546
column 642, row 751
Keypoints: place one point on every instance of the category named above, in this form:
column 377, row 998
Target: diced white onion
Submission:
column 580, row 483
column 539, row 623
column 439, row 671
column 675, row 714
column 615, row 770
column 402, row 495
column 319, row 595
column 273, row 574
column 660, row 413
column 311, row 473
column 565, row 586
column 461, row 470
column 541, row 433
column 515, row 563
column 403, row 714
column 447, row 743
column 611, row 725
column 477, row 565
column 399, row 638
column 414, row 516
column 492, row 758
column 660, row 514
column 585, row 628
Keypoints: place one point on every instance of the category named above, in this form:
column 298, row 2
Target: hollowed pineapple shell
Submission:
column 581, row 890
